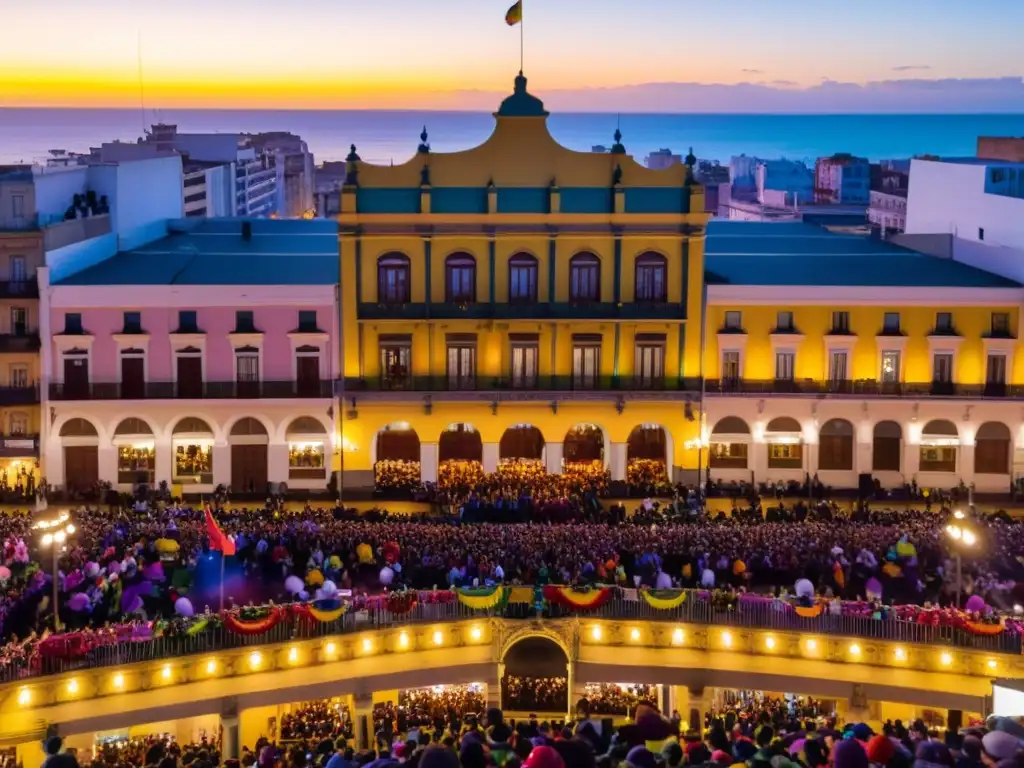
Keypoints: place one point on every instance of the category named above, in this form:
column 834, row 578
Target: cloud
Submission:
column 907, row 95
column 752, row 71
column 912, row 68
column 784, row 83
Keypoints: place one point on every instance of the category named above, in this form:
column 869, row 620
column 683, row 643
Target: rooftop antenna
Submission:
column 142, row 86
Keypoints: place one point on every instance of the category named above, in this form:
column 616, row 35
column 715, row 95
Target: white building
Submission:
column 662, row 159
column 888, row 211
column 971, row 210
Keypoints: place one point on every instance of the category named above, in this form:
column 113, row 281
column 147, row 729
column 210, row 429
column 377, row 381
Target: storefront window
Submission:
column 306, row 461
column 785, row 456
column 728, row 455
column 938, row 458
column 136, row 463
column 193, row 462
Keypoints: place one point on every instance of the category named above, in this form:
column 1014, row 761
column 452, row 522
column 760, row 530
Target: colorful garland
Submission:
column 401, row 602
column 253, row 627
column 567, row 597
column 809, row 612
column 324, row 616
column 663, row 599
column 483, row 599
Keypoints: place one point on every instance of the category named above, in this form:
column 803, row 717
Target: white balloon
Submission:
column 386, row 575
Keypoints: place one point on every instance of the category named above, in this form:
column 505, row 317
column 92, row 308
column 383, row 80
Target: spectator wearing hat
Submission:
column 880, row 750
column 997, row 746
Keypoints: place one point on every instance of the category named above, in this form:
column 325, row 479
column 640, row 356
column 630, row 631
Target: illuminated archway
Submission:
column 397, row 453
column 527, row 659
column 647, row 456
column 460, row 453
column 522, row 443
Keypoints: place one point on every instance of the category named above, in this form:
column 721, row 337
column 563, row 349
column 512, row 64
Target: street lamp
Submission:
column 961, row 536
column 56, row 533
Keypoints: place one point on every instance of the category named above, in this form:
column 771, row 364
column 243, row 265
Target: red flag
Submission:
column 218, row 541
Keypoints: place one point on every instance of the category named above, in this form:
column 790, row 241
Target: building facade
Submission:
column 842, row 178
column 888, row 211
column 205, row 358
column 520, row 302
column 783, row 183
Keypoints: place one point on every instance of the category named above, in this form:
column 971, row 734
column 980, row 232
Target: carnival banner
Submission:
column 664, row 599
column 577, row 600
column 483, row 599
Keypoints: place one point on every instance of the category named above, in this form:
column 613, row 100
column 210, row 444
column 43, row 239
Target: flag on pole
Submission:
column 218, row 541
column 515, row 14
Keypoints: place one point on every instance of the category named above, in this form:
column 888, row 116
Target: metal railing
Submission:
column 860, row 388
column 482, row 309
column 522, row 387
column 192, row 390
column 625, row 605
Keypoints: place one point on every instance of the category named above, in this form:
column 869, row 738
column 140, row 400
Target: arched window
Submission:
column 522, row 278
column 584, row 277
column 887, row 447
column 651, row 278
column 393, row 279
column 992, row 450
column 835, row 445
column 460, row 278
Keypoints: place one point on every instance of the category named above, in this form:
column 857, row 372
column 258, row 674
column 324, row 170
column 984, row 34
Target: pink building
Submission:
column 205, row 358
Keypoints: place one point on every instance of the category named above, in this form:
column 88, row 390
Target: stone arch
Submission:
column 785, row 443
column 585, row 443
column 729, row 444
column 131, row 426
column 887, row 447
column 80, row 427
column 396, row 441
column 533, row 656
column 783, row 424
column 460, row 441
column 521, row 441
column 648, row 455
column 192, row 425
column 940, row 442
column 525, row 633
column 992, row 449
column 835, row 445
column 249, row 429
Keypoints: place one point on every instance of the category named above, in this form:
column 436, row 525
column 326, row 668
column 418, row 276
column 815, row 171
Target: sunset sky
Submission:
column 408, row 53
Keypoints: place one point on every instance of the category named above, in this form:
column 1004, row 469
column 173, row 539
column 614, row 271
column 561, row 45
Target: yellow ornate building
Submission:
column 520, row 300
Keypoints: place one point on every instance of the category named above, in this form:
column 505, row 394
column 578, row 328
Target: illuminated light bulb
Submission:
column 255, row 658
column 678, row 636
column 403, row 640
column 727, row 639
column 293, row 655
column 812, row 645
column 59, row 537
column 855, row 650
column 367, row 644
column 946, row 658
column 47, row 539
column 166, row 673
column 330, row 648
column 72, row 685
column 959, row 515
column 476, row 634
column 70, row 529
column 900, row 654
column 992, row 664
column 769, row 642
column 211, row 667
column 596, row 632
column 969, row 538
column 634, row 634
column 438, row 638
column 24, row 697
column 119, row 680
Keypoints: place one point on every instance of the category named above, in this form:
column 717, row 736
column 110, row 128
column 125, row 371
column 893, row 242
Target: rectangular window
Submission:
column 19, row 376
column 995, row 370
column 393, row 283
column 944, row 322
column 395, row 362
column 244, row 322
column 890, row 367
column 584, row 278
column 649, row 366
column 133, row 376
column 18, row 206
column 731, row 367
column 307, row 321
column 1000, row 323
column 189, row 372
column 938, row 458
column 136, row 463
column 785, row 456
column 461, row 365
column 188, row 321
column 525, row 356
column 784, row 322
column 307, row 372
column 247, row 372
column 733, row 321
column 727, row 455
column 132, row 322
column 837, row 371
column 72, row 322
column 840, row 322
column 19, row 423
column 586, row 361
column 650, row 280
column 784, row 366
column 891, row 322
column 981, row 233
column 18, row 273
column 19, row 321
column 942, row 368
column 460, row 279
column 522, row 283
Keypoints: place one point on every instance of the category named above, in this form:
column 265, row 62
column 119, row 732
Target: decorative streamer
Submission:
column 664, row 599
column 483, row 599
column 809, row 612
column 576, row 600
column 253, row 627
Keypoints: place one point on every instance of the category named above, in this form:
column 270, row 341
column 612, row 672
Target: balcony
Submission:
column 861, row 388
column 541, row 388
column 19, row 446
column 27, row 340
column 193, row 390
column 13, row 396
column 19, row 289
column 524, row 311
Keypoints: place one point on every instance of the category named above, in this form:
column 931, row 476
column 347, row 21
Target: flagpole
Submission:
column 222, row 556
column 521, row 38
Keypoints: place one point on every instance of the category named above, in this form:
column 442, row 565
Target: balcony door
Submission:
column 189, row 366
column 307, row 371
column 133, row 374
column 76, row 374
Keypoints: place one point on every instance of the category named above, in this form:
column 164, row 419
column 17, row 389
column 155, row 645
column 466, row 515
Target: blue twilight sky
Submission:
column 393, row 53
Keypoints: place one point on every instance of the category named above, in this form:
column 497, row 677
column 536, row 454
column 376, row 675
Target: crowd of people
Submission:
column 321, row 719
column 617, row 699
column 126, row 562
column 524, row 693
column 437, row 707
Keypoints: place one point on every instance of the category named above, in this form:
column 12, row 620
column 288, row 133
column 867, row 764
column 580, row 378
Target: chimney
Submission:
column 247, row 231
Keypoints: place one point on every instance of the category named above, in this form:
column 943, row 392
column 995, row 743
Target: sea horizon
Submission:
column 27, row 134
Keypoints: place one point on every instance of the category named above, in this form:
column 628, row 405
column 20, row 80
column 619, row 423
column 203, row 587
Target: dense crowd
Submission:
column 316, row 719
column 523, row 693
column 616, row 699
column 134, row 562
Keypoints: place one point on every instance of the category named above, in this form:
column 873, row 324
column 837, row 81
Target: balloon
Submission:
column 114, row 567
column 303, row 596
column 183, row 607
column 154, row 571
column 804, row 588
column 873, row 587
column 92, row 570
column 314, row 578
column 5, row 573
column 386, row 576
column 365, row 553
column 79, row 602
column 976, row 604
column 664, row 581
column 293, row 585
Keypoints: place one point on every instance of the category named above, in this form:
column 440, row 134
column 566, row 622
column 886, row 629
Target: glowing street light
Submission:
column 56, row 534
column 961, row 536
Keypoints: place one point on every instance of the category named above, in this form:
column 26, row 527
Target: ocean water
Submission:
column 384, row 136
